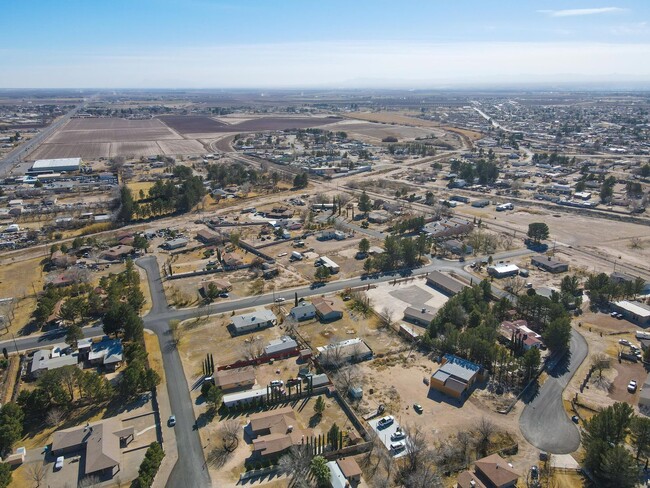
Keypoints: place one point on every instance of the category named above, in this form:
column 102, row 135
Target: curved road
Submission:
column 544, row 422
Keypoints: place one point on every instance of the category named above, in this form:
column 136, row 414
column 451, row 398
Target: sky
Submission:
column 321, row 43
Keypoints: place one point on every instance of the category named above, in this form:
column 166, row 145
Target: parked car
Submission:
column 397, row 446
column 398, row 435
column 172, row 420
column 534, row 472
column 625, row 342
column 276, row 383
column 631, row 386
column 418, row 408
column 385, row 422
column 58, row 464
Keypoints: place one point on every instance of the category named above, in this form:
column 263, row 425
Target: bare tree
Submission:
column 347, row 377
column 230, row 431
column 515, row 285
column 295, row 464
column 89, row 482
column 36, row 473
column 386, row 316
column 485, row 428
column 54, row 417
column 601, row 363
column 252, row 347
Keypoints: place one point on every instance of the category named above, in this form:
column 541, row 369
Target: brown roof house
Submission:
column 235, row 379
column 117, row 253
column 490, row 472
column 101, row 442
column 275, row 431
column 326, row 310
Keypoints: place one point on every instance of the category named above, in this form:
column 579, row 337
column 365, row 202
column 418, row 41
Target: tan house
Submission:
column 455, row 376
column 101, row 442
column 235, row 379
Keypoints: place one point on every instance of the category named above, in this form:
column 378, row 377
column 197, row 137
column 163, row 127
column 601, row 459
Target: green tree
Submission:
column 364, row 203
column 333, row 435
column 368, row 266
column 5, row 475
column 538, row 231
column 127, row 205
column 319, row 406
column 617, row 469
column 73, row 335
column 322, row 273
column 364, row 246
column 11, row 426
column 640, row 431
column 213, row 398
column 530, row 362
column 558, row 334
column 319, row 469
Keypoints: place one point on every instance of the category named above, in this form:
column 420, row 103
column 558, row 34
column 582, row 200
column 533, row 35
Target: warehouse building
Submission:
column 55, row 165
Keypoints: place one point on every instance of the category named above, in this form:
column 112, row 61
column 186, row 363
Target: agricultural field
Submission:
column 205, row 125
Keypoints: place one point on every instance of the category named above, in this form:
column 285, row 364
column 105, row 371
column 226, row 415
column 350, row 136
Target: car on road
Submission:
column 58, row 464
column 575, row 419
column 631, row 386
column 385, row 421
column 418, row 408
column 397, row 446
column 280, row 300
column 172, row 420
column 398, row 435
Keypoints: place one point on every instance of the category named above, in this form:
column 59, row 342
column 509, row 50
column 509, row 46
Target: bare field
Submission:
column 380, row 131
column 87, row 150
column 205, row 125
column 135, row 148
column 111, row 135
column 392, row 118
column 112, row 124
column 181, row 146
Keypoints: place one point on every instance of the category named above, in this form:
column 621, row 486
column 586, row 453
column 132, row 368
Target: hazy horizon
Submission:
column 201, row 44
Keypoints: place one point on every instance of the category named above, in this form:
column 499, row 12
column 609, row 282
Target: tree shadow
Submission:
column 531, row 392
column 314, row 420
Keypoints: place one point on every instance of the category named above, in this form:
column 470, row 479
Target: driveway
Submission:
column 544, row 422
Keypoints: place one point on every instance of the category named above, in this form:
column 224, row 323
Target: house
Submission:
column 550, row 264
column 325, row 309
column 453, row 226
column 618, row 277
column 269, row 271
column 209, row 237
column 231, row 260
column 633, row 311
column 328, row 263
column 275, row 431
column 253, row 321
column 175, row 244
column 45, row 360
column 378, row 217
column 280, row 213
column 455, row 377
column 235, row 379
column 457, row 247
column 244, row 397
column 644, row 396
column 107, row 352
column 220, row 285
column 284, row 346
column 419, row 315
column 118, row 253
column 304, row 311
column 503, row 270
column 519, row 332
column 351, row 350
column 331, row 234
column 495, row 472
column 350, row 469
column 100, row 442
column 444, row 283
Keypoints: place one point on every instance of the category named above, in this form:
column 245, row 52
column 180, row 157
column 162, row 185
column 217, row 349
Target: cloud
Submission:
column 630, row 29
column 574, row 12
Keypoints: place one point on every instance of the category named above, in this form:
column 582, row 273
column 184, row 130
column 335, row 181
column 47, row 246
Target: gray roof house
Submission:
column 43, row 361
column 278, row 346
column 304, row 311
column 419, row 315
column 248, row 322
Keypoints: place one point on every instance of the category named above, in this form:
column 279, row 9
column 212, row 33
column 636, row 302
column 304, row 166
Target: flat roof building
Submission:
column 284, row 344
column 55, row 165
column 455, row 376
column 503, row 270
column 634, row 311
column 419, row 315
column 249, row 322
column 549, row 264
column 445, row 283
column 235, row 379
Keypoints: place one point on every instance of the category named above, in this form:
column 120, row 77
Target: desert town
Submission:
column 312, row 288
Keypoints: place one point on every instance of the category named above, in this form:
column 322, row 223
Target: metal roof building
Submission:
column 56, row 165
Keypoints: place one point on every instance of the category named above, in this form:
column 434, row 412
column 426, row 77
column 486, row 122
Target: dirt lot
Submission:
column 18, row 280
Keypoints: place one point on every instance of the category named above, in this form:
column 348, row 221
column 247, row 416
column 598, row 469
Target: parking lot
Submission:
column 385, row 435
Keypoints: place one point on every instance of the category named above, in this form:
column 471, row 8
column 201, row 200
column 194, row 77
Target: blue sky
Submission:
column 353, row 43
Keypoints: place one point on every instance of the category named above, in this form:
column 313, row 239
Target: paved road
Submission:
column 190, row 469
column 544, row 422
column 15, row 156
